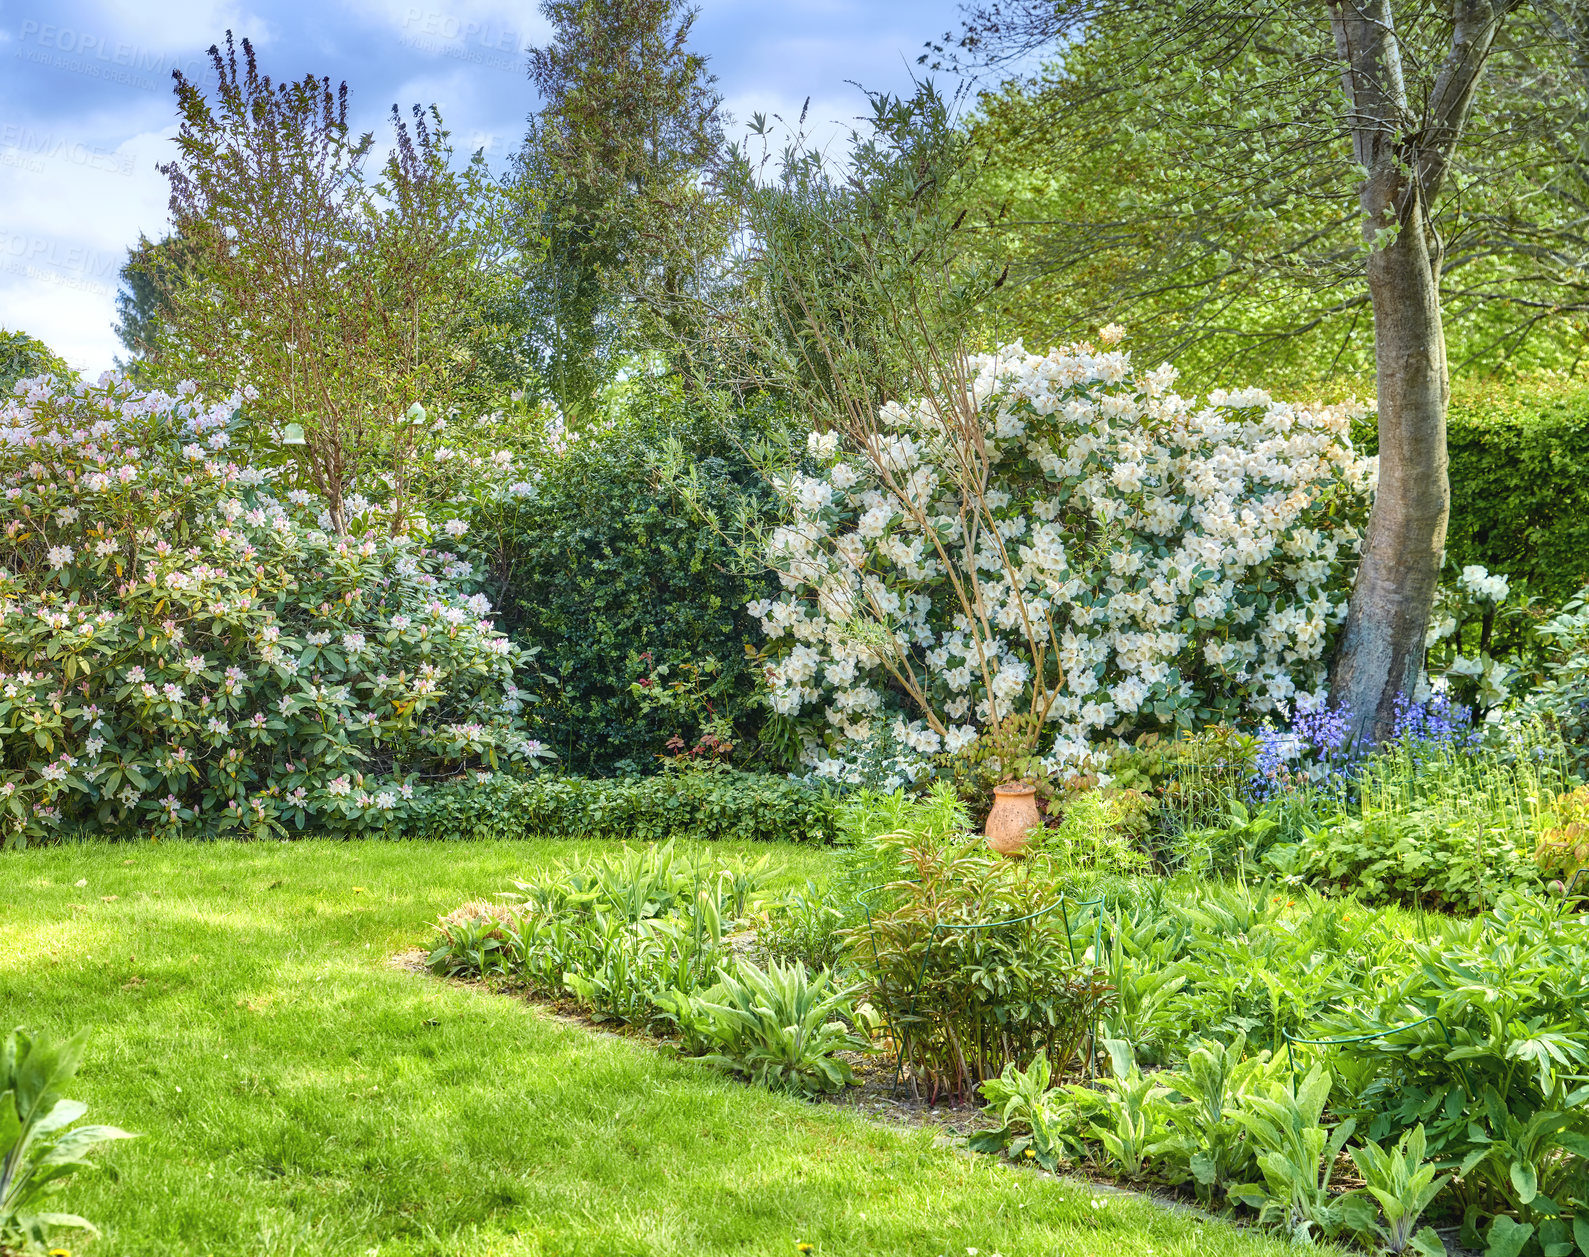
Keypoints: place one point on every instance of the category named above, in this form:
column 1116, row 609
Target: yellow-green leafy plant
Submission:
column 39, row 1148
column 974, row 965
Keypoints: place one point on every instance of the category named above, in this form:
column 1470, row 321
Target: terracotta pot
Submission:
column 1013, row 816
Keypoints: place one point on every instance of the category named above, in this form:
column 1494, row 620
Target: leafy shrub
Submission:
column 1562, row 697
column 778, row 1027
column 806, row 926
column 726, row 806
column 625, row 593
column 22, row 357
column 970, row 960
column 1232, row 960
column 1216, row 1080
column 180, row 649
column 1520, row 459
column 37, row 1150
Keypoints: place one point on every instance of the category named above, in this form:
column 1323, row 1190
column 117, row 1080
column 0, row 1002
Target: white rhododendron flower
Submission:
column 1477, row 580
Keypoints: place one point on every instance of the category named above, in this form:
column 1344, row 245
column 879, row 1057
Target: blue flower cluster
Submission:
column 1318, row 749
column 1435, row 725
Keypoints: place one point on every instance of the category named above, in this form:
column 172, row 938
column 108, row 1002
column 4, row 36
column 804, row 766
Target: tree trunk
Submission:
column 1381, row 652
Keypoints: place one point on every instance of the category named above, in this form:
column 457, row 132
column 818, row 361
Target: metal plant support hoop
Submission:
column 901, row 1035
column 1291, row 1059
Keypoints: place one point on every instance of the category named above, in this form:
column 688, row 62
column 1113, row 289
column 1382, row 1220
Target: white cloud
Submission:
column 72, row 208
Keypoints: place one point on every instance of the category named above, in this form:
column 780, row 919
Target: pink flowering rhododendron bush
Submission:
column 183, row 646
column 1178, row 562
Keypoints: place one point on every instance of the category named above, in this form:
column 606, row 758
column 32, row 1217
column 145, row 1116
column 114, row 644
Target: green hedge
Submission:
column 617, row 582
column 1520, row 487
column 718, row 806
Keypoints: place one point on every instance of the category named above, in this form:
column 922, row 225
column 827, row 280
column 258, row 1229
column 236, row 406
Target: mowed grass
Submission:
column 298, row 1094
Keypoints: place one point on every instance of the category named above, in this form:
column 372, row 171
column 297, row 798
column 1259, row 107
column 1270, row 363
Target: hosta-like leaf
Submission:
column 1507, row 1237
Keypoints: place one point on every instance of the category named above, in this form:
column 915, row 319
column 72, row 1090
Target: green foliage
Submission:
column 37, row 1150
column 1237, row 846
column 476, row 944
column 1126, row 1112
column 710, row 805
column 1494, row 1073
column 1296, row 1153
column 1402, row 1183
column 1096, row 832
column 620, row 932
column 620, row 158
column 806, row 926
column 637, row 937
column 778, row 1027
column 1561, row 699
column 873, row 830
column 1430, row 859
column 971, row 960
column 22, row 357
column 623, row 590
column 1439, row 826
column 1520, row 470
column 1216, row 1079
column 155, row 270
column 1024, row 1103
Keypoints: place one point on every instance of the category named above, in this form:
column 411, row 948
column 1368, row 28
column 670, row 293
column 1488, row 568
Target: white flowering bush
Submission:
column 1459, row 640
column 1089, row 550
column 181, row 648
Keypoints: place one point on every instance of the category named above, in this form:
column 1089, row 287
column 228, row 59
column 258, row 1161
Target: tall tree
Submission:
column 629, row 132
column 1332, row 143
column 154, row 272
column 341, row 298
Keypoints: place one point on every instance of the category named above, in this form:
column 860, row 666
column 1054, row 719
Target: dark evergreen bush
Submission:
column 628, row 594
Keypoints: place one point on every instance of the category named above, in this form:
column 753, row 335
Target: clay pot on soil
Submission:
column 1013, row 815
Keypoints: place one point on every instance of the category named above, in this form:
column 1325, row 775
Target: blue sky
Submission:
column 86, row 111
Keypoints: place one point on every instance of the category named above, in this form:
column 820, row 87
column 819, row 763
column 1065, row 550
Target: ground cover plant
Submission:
column 1252, row 1032
column 715, row 804
column 294, row 1092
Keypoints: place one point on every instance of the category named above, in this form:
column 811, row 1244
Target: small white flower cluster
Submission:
column 1175, row 558
column 1477, row 580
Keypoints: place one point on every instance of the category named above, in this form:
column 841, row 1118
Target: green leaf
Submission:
column 1426, row 1243
column 1525, row 1181
column 1507, row 1237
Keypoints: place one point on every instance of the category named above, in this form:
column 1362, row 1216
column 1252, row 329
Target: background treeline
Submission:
column 598, row 279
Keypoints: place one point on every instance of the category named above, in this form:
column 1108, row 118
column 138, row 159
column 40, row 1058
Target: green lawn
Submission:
column 297, row 1094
